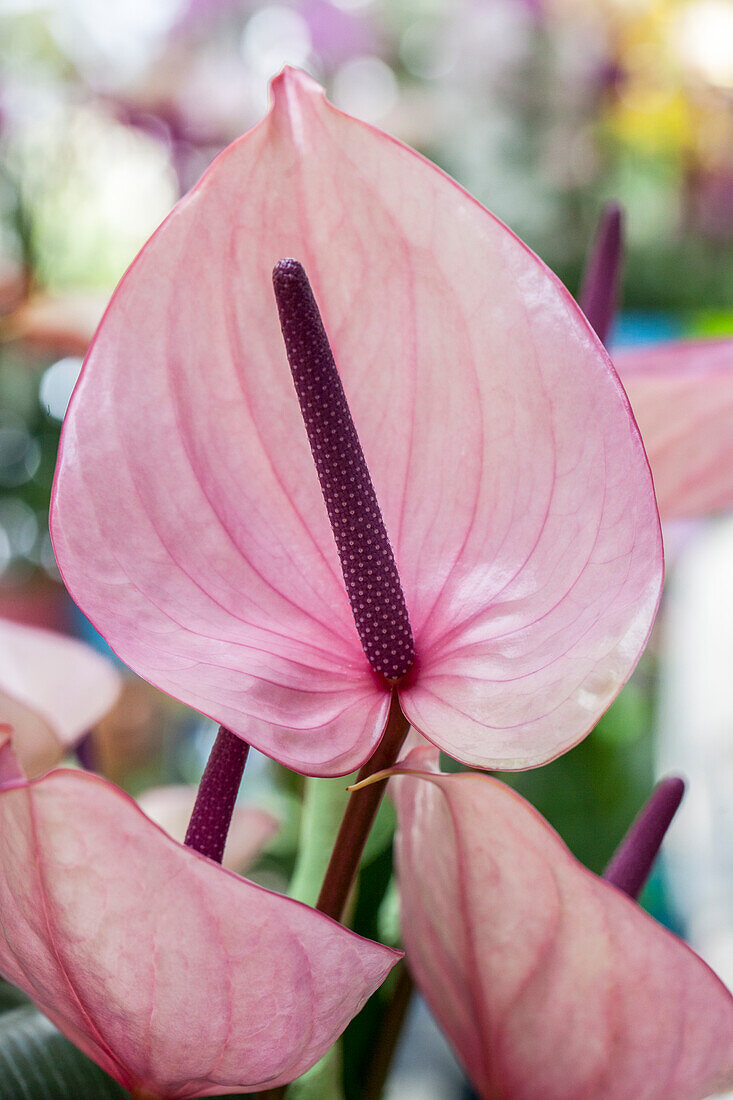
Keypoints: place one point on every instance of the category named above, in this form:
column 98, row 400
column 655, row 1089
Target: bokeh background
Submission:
column 543, row 109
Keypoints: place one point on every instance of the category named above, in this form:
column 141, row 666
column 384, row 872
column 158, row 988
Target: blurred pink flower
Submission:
column 249, row 831
column 682, row 397
column 187, row 516
column 177, row 977
column 548, row 981
column 53, row 690
column 681, row 392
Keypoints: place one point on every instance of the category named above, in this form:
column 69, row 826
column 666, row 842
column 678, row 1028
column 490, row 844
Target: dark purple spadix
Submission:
column 367, row 561
column 212, row 813
column 599, row 286
column 633, row 859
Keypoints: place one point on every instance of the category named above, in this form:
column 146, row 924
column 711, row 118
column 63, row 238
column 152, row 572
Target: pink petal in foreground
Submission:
column 174, row 975
column 187, row 517
column 550, row 983
column 682, row 397
column 53, row 690
column 250, row 829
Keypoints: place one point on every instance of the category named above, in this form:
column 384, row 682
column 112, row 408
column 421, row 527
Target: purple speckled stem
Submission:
column 367, row 561
column 217, row 794
column 599, row 286
column 633, row 859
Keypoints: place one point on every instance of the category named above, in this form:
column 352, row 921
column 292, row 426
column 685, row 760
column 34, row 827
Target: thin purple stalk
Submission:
column 217, row 794
column 633, row 859
column 367, row 561
column 85, row 752
column 599, row 285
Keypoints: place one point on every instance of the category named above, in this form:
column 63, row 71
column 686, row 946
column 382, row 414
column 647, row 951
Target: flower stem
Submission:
column 389, row 1033
column 354, row 831
column 359, row 817
column 217, row 793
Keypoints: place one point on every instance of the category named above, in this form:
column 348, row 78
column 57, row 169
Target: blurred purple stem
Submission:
column 85, row 752
column 633, row 859
column 599, row 286
column 217, row 794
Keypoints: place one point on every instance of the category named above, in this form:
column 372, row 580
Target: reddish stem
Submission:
column 359, row 817
column 217, row 794
column 354, row 831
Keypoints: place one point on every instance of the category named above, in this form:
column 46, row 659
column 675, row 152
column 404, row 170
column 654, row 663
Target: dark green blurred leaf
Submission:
column 10, row 997
column 38, row 1063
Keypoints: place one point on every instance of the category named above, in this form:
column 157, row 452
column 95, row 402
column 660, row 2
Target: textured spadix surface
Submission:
column 188, row 520
column 169, row 971
column 249, row 831
column 53, row 690
column 550, row 983
column 682, row 397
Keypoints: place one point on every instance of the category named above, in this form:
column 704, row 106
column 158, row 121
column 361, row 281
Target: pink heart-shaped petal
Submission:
column 172, row 973
column 187, row 516
column 682, row 397
column 549, row 982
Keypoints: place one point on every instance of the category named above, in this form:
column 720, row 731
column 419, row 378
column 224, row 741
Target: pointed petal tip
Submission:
column 292, row 81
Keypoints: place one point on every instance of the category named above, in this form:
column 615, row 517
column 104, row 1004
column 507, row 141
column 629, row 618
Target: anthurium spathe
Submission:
column 187, row 516
column 681, row 392
column 177, row 977
column 53, row 690
column 550, row 982
column 682, row 397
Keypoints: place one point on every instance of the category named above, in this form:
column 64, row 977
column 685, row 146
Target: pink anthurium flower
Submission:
column 53, row 690
column 250, row 828
column 177, row 977
column 681, row 392
column 682, row 397
column 515, row 492
column 549, row 981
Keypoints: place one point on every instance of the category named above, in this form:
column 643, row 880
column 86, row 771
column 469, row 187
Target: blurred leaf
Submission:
column 324, row 803
column 11, row 997
column 37, row 1061
column 323, row 1081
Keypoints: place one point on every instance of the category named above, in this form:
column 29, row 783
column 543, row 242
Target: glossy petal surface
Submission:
column 550, row 983
column 188, row 521
column 53, row 690
column 170, row 972
column 249, row 831
column 682, row 397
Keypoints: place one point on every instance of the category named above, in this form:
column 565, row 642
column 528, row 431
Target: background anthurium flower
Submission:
column 187, row 517
column 53, row 690
column 549, row 982
column 682, row 397
column 173, row 974
column 249, row 830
